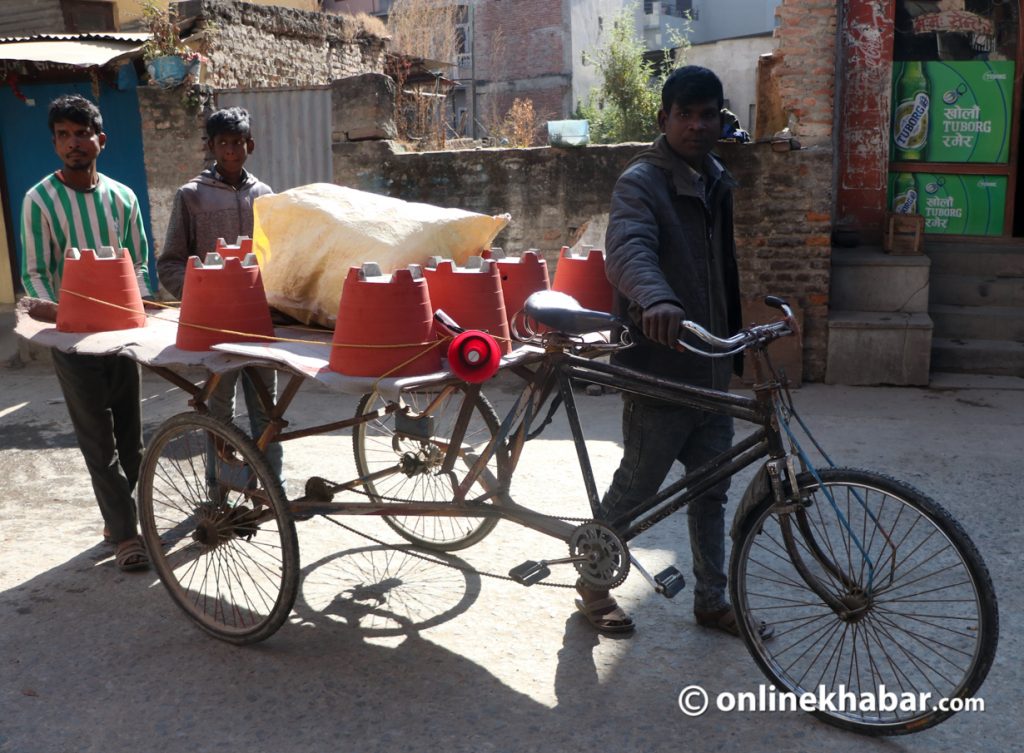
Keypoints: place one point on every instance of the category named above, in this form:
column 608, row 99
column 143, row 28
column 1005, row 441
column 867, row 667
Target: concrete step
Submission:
column 999, row 357
column 867, row 279
column 871, row 347
column 978, row 322
column 989, row 259
column 976, row 290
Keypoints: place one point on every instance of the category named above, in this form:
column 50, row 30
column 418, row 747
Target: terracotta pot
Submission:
column 223, row 301
column 474, row 356
column 521, row 276
column 378, row 309
column 108, row 278
column 582, row 276
column 241, row 248
column 470, row 295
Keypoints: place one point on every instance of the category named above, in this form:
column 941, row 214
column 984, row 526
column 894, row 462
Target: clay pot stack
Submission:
column 241, row 248
column 470, row 295
column 521, row 276
column 223, row 301
column 582, row 276
column 99, row 292
column 385, row 310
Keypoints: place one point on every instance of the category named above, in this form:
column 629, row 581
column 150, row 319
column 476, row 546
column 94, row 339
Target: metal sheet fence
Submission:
column 292, row 129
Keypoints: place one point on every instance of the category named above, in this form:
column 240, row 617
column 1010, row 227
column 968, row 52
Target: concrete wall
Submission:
column 782, row 214
column 726, row 19
column 735, row 62
column 590, row 22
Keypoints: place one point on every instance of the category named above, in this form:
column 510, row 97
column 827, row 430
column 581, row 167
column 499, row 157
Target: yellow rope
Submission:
column 274, row 338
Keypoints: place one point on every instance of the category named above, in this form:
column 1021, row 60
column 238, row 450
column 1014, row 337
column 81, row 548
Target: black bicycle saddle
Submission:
column 563, row 313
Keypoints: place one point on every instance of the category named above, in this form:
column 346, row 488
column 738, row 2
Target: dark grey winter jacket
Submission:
column 205, row 209
column 663, row 238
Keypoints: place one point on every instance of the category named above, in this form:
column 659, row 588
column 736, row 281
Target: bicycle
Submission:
column 868, row 582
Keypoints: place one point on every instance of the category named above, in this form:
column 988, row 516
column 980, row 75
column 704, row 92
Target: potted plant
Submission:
column 168, row 60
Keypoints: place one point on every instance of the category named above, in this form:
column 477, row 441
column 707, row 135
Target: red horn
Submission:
column 474, row 356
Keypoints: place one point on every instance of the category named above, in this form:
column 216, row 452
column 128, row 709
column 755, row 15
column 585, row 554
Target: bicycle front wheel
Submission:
column 415, row 445
column 877, row 596
column 218, row 529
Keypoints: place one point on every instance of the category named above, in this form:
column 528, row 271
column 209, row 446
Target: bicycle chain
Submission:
column 408, row 548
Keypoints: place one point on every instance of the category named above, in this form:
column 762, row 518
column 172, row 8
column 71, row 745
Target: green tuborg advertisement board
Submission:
column 952, row 111
column 951, row 204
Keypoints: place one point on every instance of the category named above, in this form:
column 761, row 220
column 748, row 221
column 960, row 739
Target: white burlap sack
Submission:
column 307, row 238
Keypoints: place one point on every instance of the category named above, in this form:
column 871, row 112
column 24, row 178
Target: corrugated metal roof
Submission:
column 71, row 49
column 93, row 35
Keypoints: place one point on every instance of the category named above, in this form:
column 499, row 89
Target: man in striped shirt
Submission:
column 77, row 207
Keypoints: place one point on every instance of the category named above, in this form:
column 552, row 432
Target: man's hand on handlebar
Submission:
column 661, row 323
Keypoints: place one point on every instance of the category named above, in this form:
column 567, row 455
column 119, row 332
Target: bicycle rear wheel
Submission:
column 223, row 543
column 895, row 600
column 415, row 445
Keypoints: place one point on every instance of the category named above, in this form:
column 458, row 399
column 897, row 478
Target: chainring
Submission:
column 605, row 562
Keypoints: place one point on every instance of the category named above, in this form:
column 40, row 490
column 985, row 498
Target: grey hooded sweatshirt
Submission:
column 205, row 209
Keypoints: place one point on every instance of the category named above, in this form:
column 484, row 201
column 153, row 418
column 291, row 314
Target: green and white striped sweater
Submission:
column 55, row 218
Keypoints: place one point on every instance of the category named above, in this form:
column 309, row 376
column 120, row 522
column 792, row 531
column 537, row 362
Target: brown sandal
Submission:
column 606, row 615
column 130, row 555
column 724, row 619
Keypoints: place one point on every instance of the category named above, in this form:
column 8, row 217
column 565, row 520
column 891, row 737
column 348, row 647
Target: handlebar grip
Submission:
column 775, row 302
column 447, row 322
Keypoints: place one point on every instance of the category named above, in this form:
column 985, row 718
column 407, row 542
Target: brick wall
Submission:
column 253, row 46
column 783, row 231
column 782, row 208
column 806, row 77
column 521, row 49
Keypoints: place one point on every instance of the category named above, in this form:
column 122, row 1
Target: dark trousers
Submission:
column 222, row 406
column 654, row 436
column 102, row 397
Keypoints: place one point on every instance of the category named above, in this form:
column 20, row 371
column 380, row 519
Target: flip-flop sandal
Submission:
column 725, row 620
column 130, row 555
column 606, row 615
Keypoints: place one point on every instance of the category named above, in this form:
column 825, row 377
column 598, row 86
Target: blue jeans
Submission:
column 655, row 435
column 222, row 406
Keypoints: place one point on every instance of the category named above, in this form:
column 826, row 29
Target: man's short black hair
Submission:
column 76, row 109
column 234, row 120
column 691, row 84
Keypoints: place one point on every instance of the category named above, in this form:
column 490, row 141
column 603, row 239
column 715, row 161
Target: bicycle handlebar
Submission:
column 745, row 338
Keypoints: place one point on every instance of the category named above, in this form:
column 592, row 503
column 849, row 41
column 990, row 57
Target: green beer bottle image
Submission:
column 910, row 121
column 904, row 194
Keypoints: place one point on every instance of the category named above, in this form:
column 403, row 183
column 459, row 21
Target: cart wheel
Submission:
column 416, row 449
column 222, row 542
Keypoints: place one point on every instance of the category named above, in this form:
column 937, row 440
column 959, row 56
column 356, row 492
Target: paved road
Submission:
column 95, row 660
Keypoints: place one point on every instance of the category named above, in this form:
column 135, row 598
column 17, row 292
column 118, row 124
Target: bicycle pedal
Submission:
column 529, row 572
column 670, row 582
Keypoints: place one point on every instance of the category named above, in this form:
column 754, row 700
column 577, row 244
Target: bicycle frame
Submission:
column 555, row 370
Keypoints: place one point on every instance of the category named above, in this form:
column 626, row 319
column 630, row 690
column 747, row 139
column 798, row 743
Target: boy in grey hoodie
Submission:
column 217, row 203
